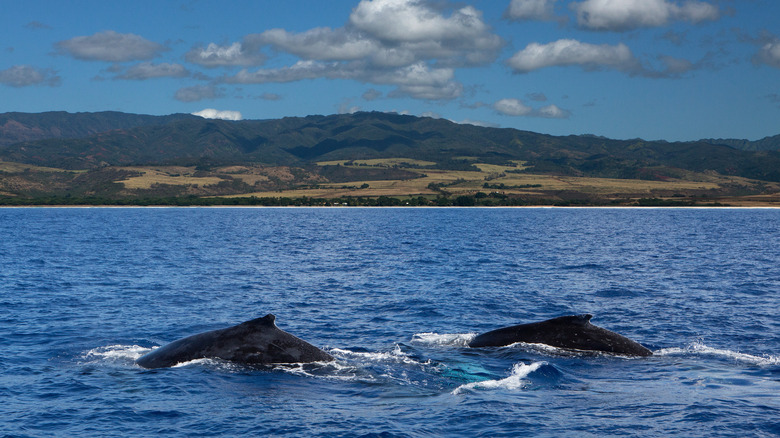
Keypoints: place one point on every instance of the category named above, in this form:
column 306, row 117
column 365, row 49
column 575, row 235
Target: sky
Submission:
column 673, row 70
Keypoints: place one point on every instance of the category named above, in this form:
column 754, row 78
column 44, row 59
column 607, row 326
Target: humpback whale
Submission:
column 569, row 332
column 258, row 341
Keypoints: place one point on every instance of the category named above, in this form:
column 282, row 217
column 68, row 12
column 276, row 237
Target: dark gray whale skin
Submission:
column 258, row 341
column 569, row 332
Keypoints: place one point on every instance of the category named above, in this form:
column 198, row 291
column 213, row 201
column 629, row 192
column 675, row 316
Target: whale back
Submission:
column 568, row 332
column 258, row 341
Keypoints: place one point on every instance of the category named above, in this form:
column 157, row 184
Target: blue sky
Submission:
column 655, row 69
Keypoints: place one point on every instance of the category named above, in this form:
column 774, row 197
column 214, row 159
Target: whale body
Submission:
column 569, row 332
column 258, row 341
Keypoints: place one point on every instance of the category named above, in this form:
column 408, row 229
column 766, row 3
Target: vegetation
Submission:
column 358, row 159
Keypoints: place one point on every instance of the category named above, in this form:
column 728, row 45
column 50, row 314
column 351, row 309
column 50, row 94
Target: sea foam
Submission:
column 515, row 381
column 700, row 349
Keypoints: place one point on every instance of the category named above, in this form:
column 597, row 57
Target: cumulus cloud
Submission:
column 297, row 72
column 197, row 93
column 512, row 107
column 110, row 46
column 148, row 70
column 516, row 108
column 552, row 112
column 321, row 43
column 406, row 43
column 211, row 113
column 621, row 15
column 531, row 10
column 568, row 52
column 236, row 54
column 769, row 53
column 414, row 21
column 26, row 75
column 418, row 80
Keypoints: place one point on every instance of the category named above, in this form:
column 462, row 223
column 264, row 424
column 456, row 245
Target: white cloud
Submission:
column 418, row 80
column 568, row 52
column 406, row 43
column 552, row 112
column 236, row 54
column 477, row 123
column 531, row 10
column 516, row 108
column 769, row 54
column 25, row 75
column 211, row 113
column 297, row 72
column 110, row 46
column 512, row 107
column 197, row 93
column 148, row 70
column 413, row 20
column 621, row 15
column 321, row 43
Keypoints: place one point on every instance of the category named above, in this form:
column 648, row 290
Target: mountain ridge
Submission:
column 91, row 140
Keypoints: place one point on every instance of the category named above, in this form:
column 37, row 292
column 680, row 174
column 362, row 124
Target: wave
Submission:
column 515, row 381
column 700, row 349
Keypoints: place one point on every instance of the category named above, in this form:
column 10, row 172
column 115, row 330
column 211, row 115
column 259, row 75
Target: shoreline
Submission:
column 334, row 207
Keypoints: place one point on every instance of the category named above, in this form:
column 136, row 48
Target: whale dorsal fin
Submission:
column 575, row 319
column 268, row 321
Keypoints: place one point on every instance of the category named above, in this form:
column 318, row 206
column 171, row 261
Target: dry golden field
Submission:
column 501, row 180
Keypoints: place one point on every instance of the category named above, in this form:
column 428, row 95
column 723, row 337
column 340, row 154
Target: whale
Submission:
column 572, row 332
column 255, row 342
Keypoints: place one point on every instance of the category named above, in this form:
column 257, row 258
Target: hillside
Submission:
column 186, row 140
column 382, row 154
column 21, row 127
column 765, row 144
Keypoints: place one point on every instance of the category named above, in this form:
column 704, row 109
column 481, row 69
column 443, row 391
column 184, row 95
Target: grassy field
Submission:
column 489, row 178
column 288, row 182
column 9, row 167
column 379, row 162
column 492, row 178
column 173, row 175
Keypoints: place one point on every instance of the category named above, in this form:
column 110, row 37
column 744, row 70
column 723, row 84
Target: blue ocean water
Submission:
column 395, row 295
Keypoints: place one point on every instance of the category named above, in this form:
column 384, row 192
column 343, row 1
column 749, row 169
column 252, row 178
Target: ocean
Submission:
column 394, row 294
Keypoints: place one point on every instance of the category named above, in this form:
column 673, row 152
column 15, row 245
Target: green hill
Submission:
column 94, row 140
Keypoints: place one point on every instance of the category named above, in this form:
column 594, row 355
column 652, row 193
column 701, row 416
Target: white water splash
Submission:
column 446, row 339
column 699, row 348
column 333, row 370
column 395, row 356
column 116, row 353
column 515, row 381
